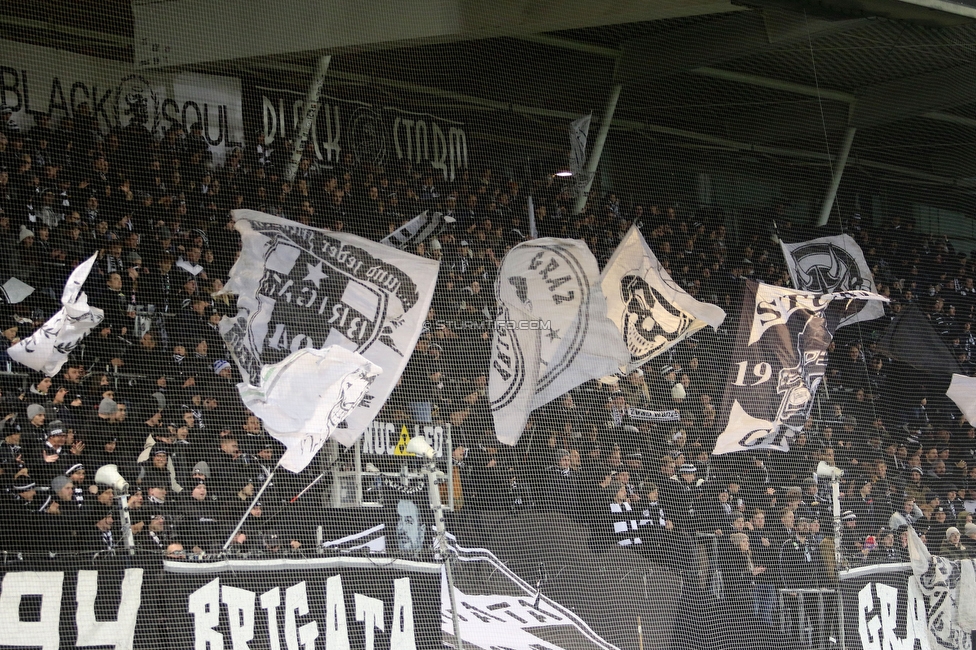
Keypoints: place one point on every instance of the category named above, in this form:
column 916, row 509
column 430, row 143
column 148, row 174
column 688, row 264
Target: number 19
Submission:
column 763, row 371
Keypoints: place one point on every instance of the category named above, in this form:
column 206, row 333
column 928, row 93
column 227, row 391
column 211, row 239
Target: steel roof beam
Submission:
column 729, row 37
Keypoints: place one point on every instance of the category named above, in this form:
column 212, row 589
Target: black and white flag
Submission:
column 578, row 131
column 417, row 230
column 48, row 348
column 651, row 310
column 552, row 332
column 779, row 359
column 299, row 287
column 832, row 264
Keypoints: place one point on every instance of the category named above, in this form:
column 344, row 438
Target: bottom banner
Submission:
column 886, row 606
column 336, row 603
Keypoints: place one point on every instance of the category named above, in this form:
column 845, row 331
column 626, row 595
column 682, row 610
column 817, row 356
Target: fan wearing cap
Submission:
column 952, row 547
column 64, row 514
column 853, row 536
column 105, row 451
column 20, row 515
column 222, row 388
column 952, row 502
column 200, row 526
column 34, row 433
column 77, row 475
column 969, row 538
column 688, row 499
column 157, row 493
column 158, row 533
column 98, row 532
column 156, row 464
column 53, row 457
column 915, row 487
column 11, row 452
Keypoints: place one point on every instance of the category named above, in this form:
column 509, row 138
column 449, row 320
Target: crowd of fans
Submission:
column 152, row 389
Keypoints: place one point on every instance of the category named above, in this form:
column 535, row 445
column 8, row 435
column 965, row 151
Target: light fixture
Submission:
column 563, row 173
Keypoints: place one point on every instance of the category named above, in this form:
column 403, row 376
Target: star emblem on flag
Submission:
column 315, row 274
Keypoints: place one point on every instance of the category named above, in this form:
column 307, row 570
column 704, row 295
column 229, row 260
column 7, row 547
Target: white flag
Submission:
column 48, row 348
column 832, row 264
column 650, row 310
column 14, row 291
column 299, row 287
column 304, row 399
column 552, row 334
column 578, row 131
column 962, row 391
column 419, row 229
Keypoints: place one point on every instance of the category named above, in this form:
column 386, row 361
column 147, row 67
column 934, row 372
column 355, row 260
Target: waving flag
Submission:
column 829, row 265
column 779, row 359
column 305, row 398
column 299, row 287
column 48, row 348
column 651, row 311
column 579, row 129
column 552, row 332
column 419, row 229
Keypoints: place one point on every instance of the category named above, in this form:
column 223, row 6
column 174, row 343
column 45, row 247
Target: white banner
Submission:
column 554, row 281
column 48, row 348
column 37, row 80
column 651, row 311
column 829, row 265
column 303, row 399
column 299, row 287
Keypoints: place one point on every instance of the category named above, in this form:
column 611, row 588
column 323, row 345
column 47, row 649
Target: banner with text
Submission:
column 278, row 603
column 373, row 134
column 884, row 608
column 385, row 438
column 43, row 81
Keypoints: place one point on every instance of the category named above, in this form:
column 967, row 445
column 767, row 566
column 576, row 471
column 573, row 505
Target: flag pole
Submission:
column 247, row 512
column 310, row 485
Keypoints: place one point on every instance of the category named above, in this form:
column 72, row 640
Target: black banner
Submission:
column 881, row 610
column 372, row 134
column 346, row 602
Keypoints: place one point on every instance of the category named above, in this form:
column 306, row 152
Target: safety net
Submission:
column 423, row 325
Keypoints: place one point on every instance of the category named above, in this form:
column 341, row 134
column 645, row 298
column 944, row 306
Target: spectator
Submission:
column 952, row 547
